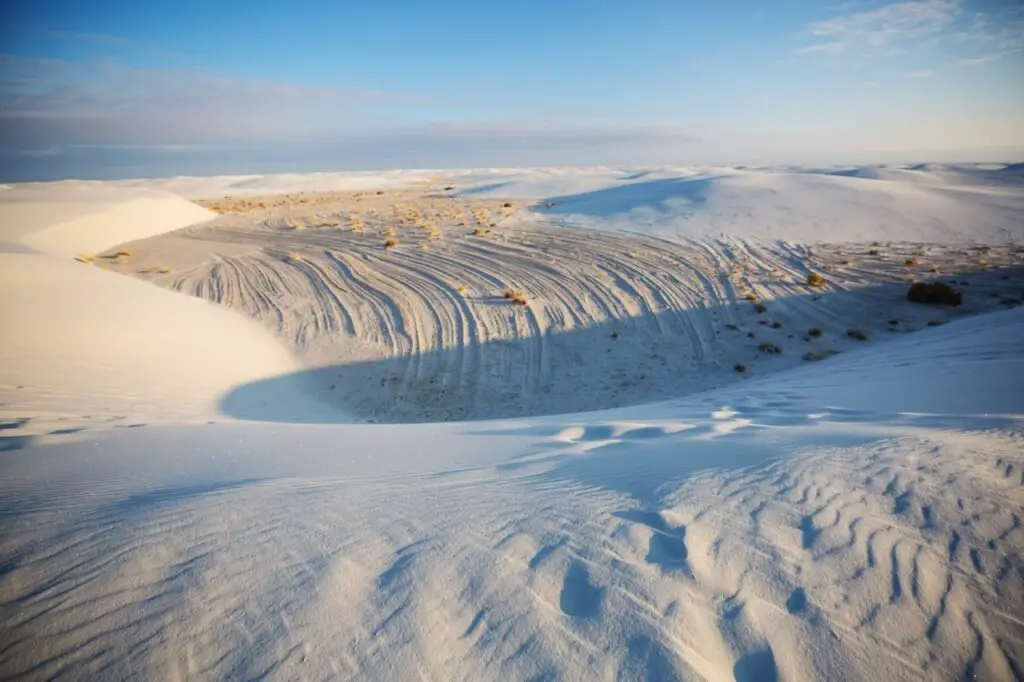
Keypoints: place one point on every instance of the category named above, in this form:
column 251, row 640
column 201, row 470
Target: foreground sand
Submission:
column 853, row 518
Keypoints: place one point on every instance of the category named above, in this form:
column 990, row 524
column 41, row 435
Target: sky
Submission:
column 111, row 88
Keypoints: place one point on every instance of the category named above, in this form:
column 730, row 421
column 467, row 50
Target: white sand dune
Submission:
column 949, row 205
column 85, row 349
column 75, row 218
column 857, row 518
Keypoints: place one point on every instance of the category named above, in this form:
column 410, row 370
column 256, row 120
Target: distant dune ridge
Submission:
column 212, row 463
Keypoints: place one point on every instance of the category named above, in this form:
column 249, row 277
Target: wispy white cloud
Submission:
column 99, row 40
column 921, row 73
column 885, row 26
column 909, row 26
column 106, row 103
column 982, row 59
column 834, row 46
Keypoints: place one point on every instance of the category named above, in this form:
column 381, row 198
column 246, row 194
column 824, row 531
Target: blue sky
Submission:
column 235, row 86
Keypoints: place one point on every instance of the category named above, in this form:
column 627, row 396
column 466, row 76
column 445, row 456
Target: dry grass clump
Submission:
column 815, row 280
column 85, row 258
column 857, row 334
column 515, row 295
column 479, row 231
column 910, row 262
column 390, row 242
column 815, row 357
column 938, row 293
column 123, row 253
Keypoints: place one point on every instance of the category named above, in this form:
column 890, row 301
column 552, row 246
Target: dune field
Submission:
column 657, row 423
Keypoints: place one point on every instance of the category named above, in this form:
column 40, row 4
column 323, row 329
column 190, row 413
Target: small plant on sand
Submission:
column 85, row 258
column 815, row 280
column 164, row 270
column 874, row 252
column 910, row 262
column 750, row 296
column 814, row 332
column 938, row 293
column 857, row 334
column 294, row 257
column 936, row 323
column 515, row 296
column 390, row 242
column 814, row 357
column 769, row 348
column 739, row 367
column 760, row 308
column 479, row 231
column 615, row 335
column 124, row 253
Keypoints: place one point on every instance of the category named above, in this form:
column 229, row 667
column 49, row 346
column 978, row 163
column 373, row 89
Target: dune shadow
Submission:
column 624, row 198
column 652, row 357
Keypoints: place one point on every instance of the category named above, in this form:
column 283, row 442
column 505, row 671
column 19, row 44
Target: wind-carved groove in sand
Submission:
column 421, row 331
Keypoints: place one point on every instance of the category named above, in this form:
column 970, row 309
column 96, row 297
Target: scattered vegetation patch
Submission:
column 857, row 334
column 770, row 348
column 821, row 355
column 814, row 332
column 815, row 280
column 515, row 296
column 938, row 293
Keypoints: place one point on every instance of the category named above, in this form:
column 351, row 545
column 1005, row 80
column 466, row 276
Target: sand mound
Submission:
column 81, row 348
column 75, row 218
